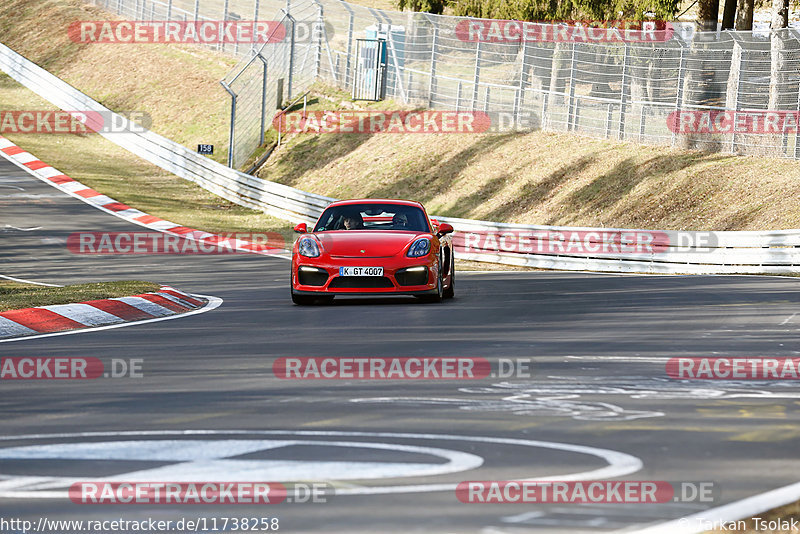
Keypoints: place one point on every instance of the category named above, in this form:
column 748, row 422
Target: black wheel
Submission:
column 436, row 297
column 302, row 300
column 450, row 292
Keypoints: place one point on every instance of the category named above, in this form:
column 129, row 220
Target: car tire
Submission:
column 436, row 297
column 450, row 292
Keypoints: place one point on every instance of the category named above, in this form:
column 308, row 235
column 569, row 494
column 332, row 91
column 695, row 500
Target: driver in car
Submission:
column 400, row 221
column 353, row 222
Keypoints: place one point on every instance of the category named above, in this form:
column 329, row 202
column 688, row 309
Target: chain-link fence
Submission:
column 727, row 91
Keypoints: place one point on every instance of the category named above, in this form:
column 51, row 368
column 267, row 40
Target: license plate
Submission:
column 360, row 271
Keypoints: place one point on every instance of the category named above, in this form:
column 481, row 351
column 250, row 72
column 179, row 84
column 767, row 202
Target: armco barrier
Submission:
column 730, row 252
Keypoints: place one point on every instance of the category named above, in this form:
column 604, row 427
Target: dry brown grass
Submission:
column 548, row 178
column 178, row 85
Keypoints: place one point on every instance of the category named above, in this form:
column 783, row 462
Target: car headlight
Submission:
column 308, row 247
column 419, row 248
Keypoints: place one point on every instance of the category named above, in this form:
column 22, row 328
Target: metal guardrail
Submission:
column 722, row 252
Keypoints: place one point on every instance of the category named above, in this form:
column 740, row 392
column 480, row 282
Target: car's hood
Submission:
column 366, row 243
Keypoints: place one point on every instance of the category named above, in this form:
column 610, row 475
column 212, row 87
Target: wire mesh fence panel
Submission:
column 728, row 91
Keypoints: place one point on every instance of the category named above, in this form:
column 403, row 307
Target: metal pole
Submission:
column 255, row 11
column 233, row 123
column 348, row 74
column 291, row 54
column 679, row 92
column 169, row 10
column 520, row 96
column 432, row 84
column 477, row 77
column 196, row 9
column 263, row 97
column 623, row 91
column 571, row 102
column 221, row 43
column 321, row 22
column 797, row 131
column 609, row 115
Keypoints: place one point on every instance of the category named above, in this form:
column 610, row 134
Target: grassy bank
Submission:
column 16, row 295
column 545, row 178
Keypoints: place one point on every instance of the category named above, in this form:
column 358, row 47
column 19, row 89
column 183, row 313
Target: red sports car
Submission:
column 373, row 247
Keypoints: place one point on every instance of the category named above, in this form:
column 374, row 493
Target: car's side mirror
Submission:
column 445, row 228
column 301, row 228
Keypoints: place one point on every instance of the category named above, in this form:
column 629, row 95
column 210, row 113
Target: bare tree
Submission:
column 777, row 75
column 744, row 15
column 707, row 15
column 729, row 15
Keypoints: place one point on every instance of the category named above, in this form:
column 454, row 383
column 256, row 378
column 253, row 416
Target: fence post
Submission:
column 232, row 130
column 196, row 9
column 321, row 25
column 169, row 10
column 543, row 120
column 797, row 130
column 458, row 96
column 733, row 88
column 609, row 116
column 486, row 100
column 347, row 75
column 290, row 74
column 263, row 98
column 520, row 94
column 477, row 77
column 432, row 84
column 255, row 11
column 398, row 78
column 642, row 122
column 571, row 102
column 624, row 91
column 221, row 43
column 679, row 91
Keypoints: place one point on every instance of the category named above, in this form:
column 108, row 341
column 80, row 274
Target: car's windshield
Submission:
column 373, row 217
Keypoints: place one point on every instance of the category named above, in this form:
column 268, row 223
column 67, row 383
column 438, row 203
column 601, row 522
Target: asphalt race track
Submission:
column 394, row 449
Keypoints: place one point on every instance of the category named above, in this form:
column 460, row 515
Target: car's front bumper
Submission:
column 388, row 284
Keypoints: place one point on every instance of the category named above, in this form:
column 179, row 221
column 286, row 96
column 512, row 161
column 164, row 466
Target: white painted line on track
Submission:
column 213, row 303
column 742, row 509
column 23, row 281
column 619, row 464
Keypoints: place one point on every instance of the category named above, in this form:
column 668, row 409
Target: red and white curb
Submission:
column 101, row 314
column 74, row 188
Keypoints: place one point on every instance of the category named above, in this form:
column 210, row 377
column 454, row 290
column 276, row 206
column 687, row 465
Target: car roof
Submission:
column 399, row 202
